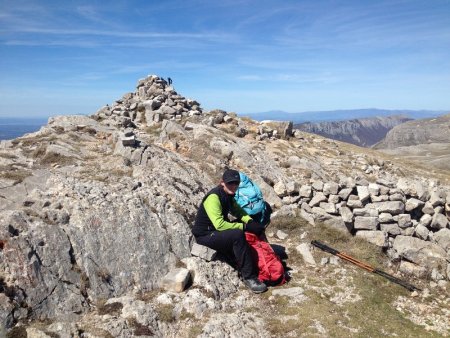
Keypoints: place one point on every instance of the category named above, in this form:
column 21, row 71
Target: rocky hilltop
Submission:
column 424, row 131
column 425, row 140
column 96, row 211
column 363, row 132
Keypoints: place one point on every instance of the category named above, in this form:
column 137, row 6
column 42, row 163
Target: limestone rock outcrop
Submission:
column 363, row 132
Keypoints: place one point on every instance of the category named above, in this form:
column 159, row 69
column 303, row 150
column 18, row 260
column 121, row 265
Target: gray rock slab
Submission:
column 366, row 223
column 374, row 189
column 363, row 193
column 422, row 232
column 404, row 221
column 305, row 191
column 330, row 188
column 354, row 202
column 413, row 203
column 397, row 197
column 334, row 199
column 420, row 252
column 217, row 277
column 203, row 252
column 442, row 238
column 386, row 182
column 439, row 221
column 318, row 197
column 381, row 198
column 367, row 212
column 412, row 269
column 328, row 207
column 304, row 250
column 317, row 185
column 425, row 220
column 391, row 228
column 385, row 217
column 391, row 207
column 280, row 189
column 292, row 187
column 373, row 236
column 346, row 214
column 436, row 199
column 176, row 280
column 428, row 208
column 407, row 231
column 345, row 193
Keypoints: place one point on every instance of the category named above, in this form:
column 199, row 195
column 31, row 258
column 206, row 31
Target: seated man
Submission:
column 212, row 228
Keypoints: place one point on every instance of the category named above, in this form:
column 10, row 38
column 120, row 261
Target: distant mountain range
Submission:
column 363, row 132
column 339, row 115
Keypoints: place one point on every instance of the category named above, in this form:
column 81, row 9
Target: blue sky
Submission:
column 72, row 57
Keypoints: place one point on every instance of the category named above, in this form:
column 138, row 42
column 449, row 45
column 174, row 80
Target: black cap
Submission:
column 231, row 175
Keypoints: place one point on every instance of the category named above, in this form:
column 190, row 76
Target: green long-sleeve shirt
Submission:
column 213, row 213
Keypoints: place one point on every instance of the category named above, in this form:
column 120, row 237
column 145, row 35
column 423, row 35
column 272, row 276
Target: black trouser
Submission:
column 232, row 242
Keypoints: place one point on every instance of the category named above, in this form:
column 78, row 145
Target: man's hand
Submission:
column 254, row 227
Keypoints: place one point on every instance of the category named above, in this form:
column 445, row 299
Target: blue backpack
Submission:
column 250, row 198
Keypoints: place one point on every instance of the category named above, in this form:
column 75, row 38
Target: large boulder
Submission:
column 439, row 221
column 442, row 238
column 283, row 128
column 378, row 238
column 366, row 223
column 420, row 252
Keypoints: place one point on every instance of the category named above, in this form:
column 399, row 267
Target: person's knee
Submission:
column 237, row 235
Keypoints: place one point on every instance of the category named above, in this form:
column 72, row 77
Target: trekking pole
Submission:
column 364, row 266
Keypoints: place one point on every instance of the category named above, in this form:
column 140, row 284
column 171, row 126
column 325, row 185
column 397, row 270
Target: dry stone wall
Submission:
column 408, row 219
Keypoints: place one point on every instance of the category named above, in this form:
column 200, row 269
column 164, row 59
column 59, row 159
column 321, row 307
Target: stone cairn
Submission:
column 406, row 218
column 153, row 102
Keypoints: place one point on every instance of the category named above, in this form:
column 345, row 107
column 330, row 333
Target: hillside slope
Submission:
column 426, row 141
column 362, row 132
column 424, row 131
column 96, row 210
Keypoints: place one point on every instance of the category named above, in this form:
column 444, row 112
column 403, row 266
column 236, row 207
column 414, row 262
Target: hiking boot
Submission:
column 255, row 285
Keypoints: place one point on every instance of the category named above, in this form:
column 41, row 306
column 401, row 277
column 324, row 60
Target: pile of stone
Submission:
column 404, row 217
column 153, row 101
column 274, row 129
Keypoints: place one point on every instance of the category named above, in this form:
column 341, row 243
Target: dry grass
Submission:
column 110, row 309
column 8, row 156
column 33, row 140
column 195, row 331
column 17, row 332
column 121, row 172
column 15, row 175
column 154, row 129
column 138, row 328
column 165, row 313
column 55, row 158
column 148, row 296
